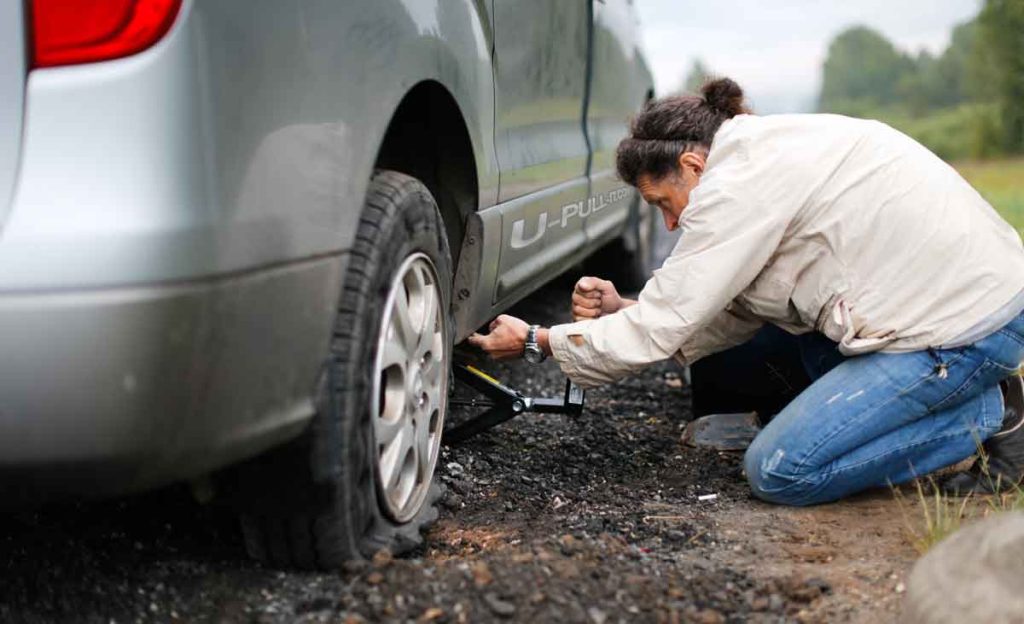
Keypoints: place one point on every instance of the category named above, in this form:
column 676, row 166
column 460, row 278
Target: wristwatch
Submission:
column 532, row 352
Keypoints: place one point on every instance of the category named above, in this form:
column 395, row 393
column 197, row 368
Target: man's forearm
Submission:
column 542, row 333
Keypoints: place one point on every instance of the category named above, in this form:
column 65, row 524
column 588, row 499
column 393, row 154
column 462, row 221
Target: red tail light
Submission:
column 66, row 32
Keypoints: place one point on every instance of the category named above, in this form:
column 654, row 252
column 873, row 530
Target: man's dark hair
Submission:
column 669, row 126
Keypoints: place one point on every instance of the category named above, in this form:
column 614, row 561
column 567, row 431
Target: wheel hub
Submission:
column 410, row 387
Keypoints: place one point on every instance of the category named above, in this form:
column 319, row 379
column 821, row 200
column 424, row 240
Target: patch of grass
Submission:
column 931, row 516
column 1001, row 182
column 1012, row 501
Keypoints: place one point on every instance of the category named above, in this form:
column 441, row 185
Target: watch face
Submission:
column 533, row 355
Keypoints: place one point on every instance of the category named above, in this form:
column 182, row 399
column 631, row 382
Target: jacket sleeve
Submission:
column 726, row 241
column 733, row 326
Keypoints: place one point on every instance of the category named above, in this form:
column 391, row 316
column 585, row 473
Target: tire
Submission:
column 627, row 260
column 326, row 498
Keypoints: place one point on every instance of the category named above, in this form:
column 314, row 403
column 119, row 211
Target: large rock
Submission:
column 975, row 575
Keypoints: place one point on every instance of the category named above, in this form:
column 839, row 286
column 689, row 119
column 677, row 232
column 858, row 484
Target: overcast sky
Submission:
column 775, row 48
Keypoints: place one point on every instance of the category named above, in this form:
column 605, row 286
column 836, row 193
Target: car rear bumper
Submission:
column 114, row 390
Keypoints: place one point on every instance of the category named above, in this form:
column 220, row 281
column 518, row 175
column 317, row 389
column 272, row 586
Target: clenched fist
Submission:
column 594, row 297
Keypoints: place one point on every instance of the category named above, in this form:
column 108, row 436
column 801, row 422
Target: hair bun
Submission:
column 725, row 96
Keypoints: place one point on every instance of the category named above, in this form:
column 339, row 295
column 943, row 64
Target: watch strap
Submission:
column 531, row 334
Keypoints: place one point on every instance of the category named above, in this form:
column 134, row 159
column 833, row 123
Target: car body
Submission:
column 175, row 224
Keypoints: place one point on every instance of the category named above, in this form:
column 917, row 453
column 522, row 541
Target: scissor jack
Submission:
column 504, row 403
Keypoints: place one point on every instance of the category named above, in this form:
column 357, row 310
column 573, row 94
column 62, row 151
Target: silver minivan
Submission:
column 240, row 238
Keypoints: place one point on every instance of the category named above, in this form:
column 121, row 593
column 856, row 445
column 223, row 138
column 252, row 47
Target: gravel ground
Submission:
column 601, row 518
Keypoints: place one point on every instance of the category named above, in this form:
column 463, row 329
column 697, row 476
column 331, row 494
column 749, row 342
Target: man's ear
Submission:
column 693, row 161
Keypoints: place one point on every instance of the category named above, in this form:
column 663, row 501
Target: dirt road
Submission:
column 605, row 518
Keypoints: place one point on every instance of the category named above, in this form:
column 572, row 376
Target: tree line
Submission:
column 966, row 102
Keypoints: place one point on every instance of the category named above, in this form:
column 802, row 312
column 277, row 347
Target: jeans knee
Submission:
column 752, row 465
column 773, row 479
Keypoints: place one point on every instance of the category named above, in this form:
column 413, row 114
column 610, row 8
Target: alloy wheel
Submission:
column 410, row 387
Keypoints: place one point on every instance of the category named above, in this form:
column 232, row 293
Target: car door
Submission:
column 540, row 71
column 620, row 82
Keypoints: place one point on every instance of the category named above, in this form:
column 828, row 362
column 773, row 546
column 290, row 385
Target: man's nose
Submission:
column 670, row 221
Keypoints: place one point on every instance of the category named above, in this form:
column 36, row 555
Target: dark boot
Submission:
column 1000, row 468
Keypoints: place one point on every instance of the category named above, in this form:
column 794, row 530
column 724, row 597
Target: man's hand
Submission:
column 506, row 340
column 594, row 297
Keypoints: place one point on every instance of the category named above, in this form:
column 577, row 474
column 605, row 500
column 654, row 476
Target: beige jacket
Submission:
column 811, row 222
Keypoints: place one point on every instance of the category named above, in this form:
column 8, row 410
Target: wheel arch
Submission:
column 428, row 139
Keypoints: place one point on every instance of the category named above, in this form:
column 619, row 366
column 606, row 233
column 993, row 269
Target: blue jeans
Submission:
column 881, row 418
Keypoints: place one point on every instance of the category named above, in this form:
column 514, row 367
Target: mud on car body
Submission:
column 241, row 238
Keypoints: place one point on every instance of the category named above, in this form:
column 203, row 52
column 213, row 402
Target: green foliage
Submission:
column 863, row 66
column 947, row 80
column 1001, row 26
column 967, row 102
column 958, row 73
column 958, row 133
column 864, row 72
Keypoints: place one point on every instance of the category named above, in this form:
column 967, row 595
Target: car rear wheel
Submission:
column 360, row 478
